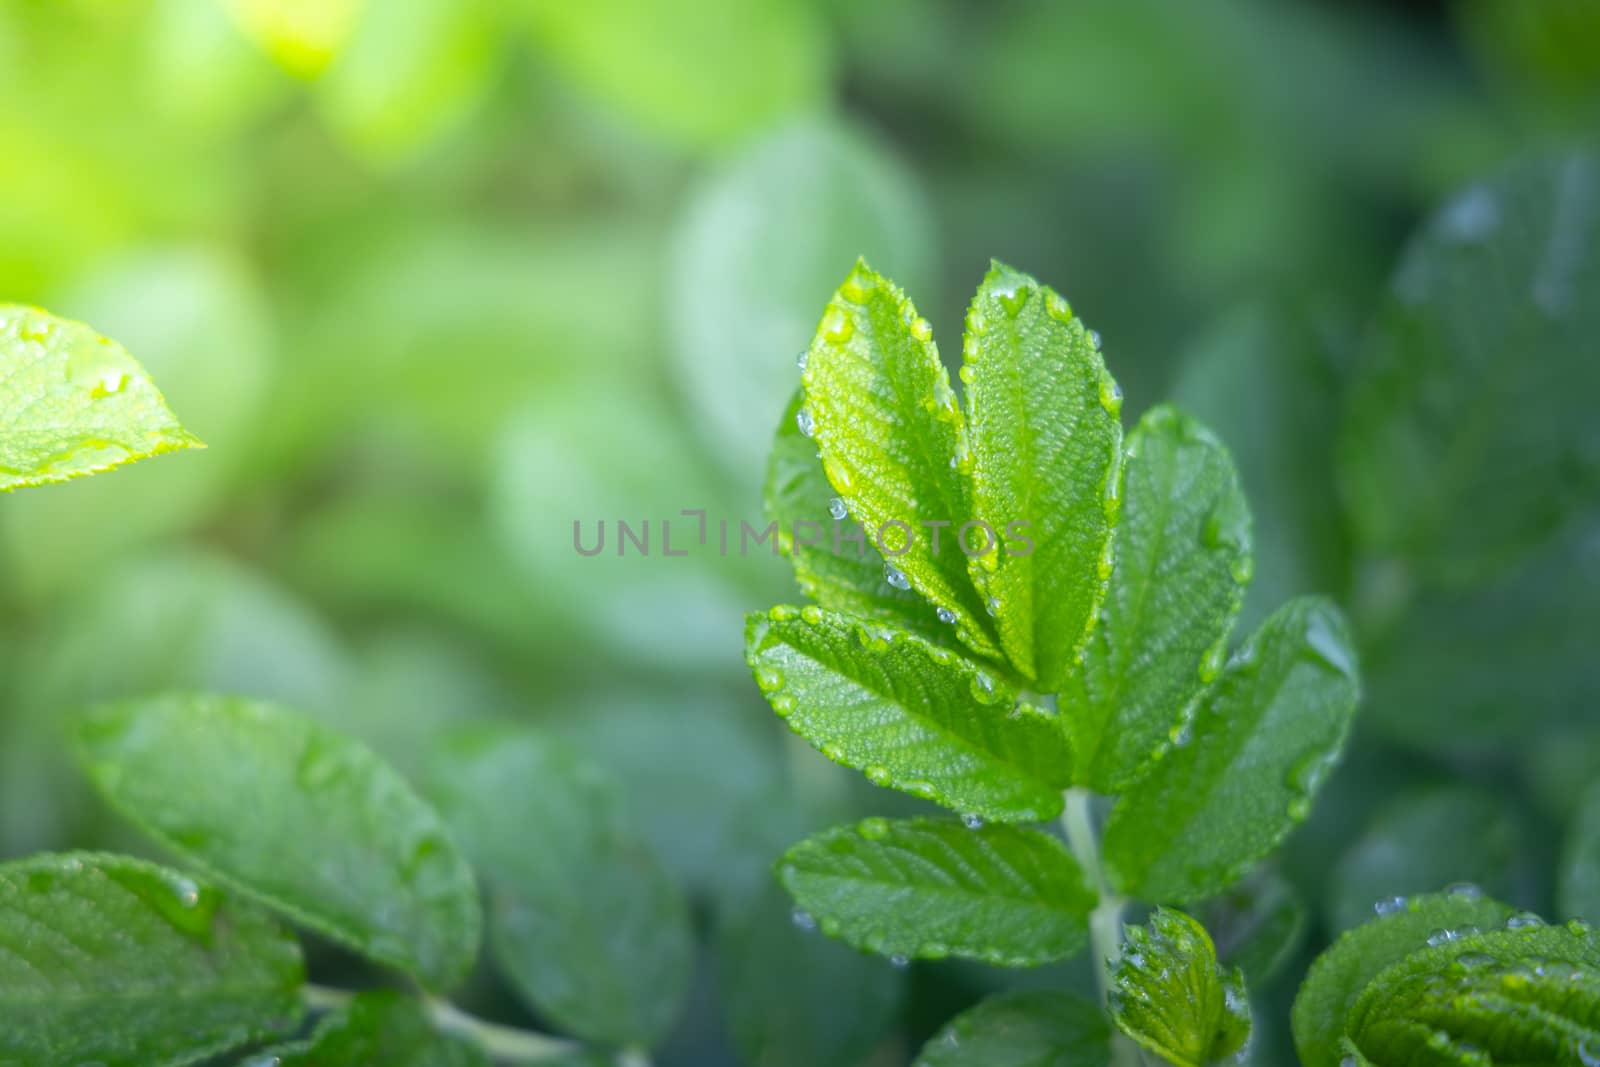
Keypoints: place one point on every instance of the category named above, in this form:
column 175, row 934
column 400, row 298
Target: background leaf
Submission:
column 1183, row 560
column 1256, row 924
column 110, row 960
column 1030, row 1029
column 931, row 888
column 297, row 816
column 74, row 402
column 1168, row 993
column 1341, row 973
column 1266, row 736
column 1579, row 890
column 1046, row 448
column 382, row 1027
column 908, row 714
column 583, row 919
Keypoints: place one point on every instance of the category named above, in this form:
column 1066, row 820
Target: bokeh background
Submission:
column 435, row 279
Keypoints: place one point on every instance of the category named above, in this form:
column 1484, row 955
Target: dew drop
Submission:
column 1211, row 663
column 811, row 614
column 803, row 919
column 1471, row 217
column 833, row 752
column 1587, row 1056
column 1013, row 300
column 982, row 687
column 877, row 774
column 972, row 822
column 1094, row 339
column 1299, row 808
column 770, row 679
column 783, row 706
column 1464, row 890
column 895, row 576
column 1440, row 937
column 1525, row 920
column 838, row 508
column 837, row 326
column 946, row 615
column 1348, row 1061
column 1390, row 906
column 921, row 329
column 1056, row 306
column 1110, row 393
column 805, row 423
column 873, row 829
column 899, row 961
column 800, row 360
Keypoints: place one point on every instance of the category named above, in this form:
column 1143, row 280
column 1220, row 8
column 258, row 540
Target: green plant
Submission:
column 1079, row 662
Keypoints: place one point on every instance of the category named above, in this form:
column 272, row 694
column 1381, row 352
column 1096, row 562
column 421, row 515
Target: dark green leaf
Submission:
column 908, row 714
column 73, row 402
column 1183, row 559
column 1580, row 864
column 1479, row 381
column 1256, row 924
column 385, row 1028
column 1032, row 1029
column 111, row 961
column 930, row 888
column 834, row 571
column 1169, row 994
column 299, row 817
column 1341, row 973
column 1046, row 447
column 891, row 437
column 1267, row 734
column 583, row 919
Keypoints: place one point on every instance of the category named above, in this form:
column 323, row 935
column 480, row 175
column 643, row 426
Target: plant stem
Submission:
column 503, row 1043
column 1105, row 923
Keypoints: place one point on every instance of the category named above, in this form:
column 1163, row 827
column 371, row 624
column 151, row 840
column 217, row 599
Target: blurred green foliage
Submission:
column 434, row 280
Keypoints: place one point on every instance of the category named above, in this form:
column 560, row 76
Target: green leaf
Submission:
column 1421, row 842
column 891, row 436
column 1038, row 1028
column 583, row 919
column 1183, row 558
column 1266, row 735
column 1579, row 891
column 1046, row 445
column 908, row 714
column 1525, row 995
column 1478, row 383
column 756, row 247
column 1341, row 973
column 1169, row 994
column 290, row 813
column 73, row 402
column 109, row 960
column 381, row 1027
column 1256, row 924
column 833, row 571
column 930, row 888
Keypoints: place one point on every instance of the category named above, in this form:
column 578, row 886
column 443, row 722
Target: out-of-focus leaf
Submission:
column 1256, row 924
column 931, row 888
column 757, row 251
column 1548, row 48
column 382, row 1028
column 1183, row 557
column 830, row 568
column 1343, row 972
column 1477, row 384
column 1045, row 446
column 203, row 71
column 704, row 73
column 583, row 919
column 1579, row 891
column 409, row 73
column 1169, row 994
column 296, row 816
column 1260, row 381
column 908, row 714
column 109, row 960
column 1266, row 735
column 199, row 323
column 891, row 435
column 303, row 36
column 1029, row 1029
column 74, row 402
column 1559, row 765
column 1421, row 843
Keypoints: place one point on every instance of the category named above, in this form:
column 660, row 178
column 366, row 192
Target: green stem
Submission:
column 503, row 1043
column 1105, row 922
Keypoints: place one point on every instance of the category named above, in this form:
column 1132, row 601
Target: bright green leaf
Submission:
column 1579, row 892
column 838, row 574
column 302, row 819
column 113, row 961
column 1183, row 558
column 908, row 714
column 1046, row 444
column 1032, row 1029
column 1169, row 994
column 930, row 888
column 303, row 36
column 73, row 402
column 583, row 919
column 1265, row 737
column 1257, row 924
column 1478, row 386
column 385, row 1028
column 891, row 435
column 1509, row 996
column 1341, row 973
